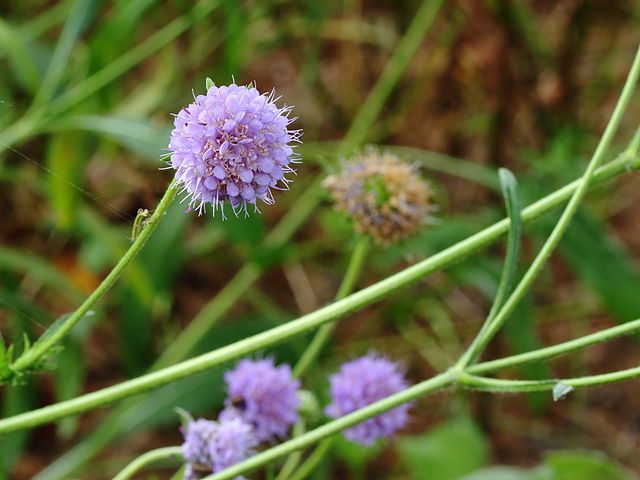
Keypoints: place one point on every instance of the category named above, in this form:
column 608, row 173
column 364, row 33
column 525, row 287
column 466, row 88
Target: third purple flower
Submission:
column 364, row 381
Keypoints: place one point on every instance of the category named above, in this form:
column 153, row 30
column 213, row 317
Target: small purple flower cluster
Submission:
column 233, row 145
column 263, row 402
column 362, row 382
column 264, row 396
column 213, row 446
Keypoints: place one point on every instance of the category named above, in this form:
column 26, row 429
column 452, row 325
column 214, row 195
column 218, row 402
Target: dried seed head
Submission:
column 384, row 196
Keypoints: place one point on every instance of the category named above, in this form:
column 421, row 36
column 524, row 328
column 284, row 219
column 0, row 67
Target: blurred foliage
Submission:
column 86, row 92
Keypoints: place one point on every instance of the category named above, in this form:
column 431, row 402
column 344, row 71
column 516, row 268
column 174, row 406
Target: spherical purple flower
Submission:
column 210, row 447
column 234, row 442
column 264, row 396
column 196, row 449
column 364, row 381
column 232, row 144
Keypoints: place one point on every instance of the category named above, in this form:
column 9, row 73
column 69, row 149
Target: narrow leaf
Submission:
column 509, row 187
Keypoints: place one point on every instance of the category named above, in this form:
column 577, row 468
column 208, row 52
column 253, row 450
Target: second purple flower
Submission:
column 264, row 396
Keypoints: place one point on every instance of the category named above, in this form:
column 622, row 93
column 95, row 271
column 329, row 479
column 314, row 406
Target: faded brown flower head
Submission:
column 384, row 196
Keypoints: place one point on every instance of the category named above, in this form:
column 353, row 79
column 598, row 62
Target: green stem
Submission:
column 45, row 343
column 323, row 334
column 346, row 287
column 556, row 350
column 502, row 385
column 294, row 459
column 327, row 430
column 307, row 322
column 312, row 462
column 147, row 459
column 495, row 323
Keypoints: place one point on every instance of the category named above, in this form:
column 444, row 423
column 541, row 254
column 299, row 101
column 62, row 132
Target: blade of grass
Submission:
column 14, row 46
column 79, row 16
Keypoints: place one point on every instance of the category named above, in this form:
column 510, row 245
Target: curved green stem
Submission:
column 327, row 430
column 502, row 385
column 46, row 342
column 556, row 350
column 307, row 322
column 147, row 459
column 495, row 323
column 346, row 287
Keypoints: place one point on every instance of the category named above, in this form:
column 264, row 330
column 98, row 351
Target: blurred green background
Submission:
column 86, row 92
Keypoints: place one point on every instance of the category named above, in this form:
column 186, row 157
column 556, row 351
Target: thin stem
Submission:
column 147, row 459
column 393, row 70
column 46, row 342
column 312, row 462
column 294, row 459
column 307, row 322
column 323, row 334
column 556, row 350
column 502, row 385
column 346, row 287
column 481, row 341
column 327, row 430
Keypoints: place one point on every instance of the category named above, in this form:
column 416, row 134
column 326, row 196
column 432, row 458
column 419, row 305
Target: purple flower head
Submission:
column 198, row 437
column 234, row 443
column 364, row 381
column 232, row 145
column 210, row 447
column 264, row 396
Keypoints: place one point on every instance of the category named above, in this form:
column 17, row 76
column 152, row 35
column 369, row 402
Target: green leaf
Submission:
column 23, row 63
column 452, row 449
column 499, row 473
column 69, row 377
column 79, row 17
column 209, row 83
column 604, row 264
column 66, row 156
column 583, row 465
column 16, row 399
column 510, row 192
column 134, row 134
column 354, row 455
column 26, row 263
